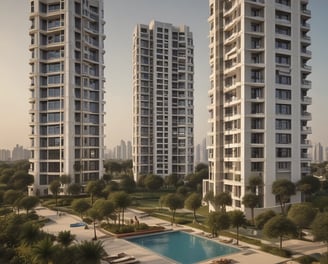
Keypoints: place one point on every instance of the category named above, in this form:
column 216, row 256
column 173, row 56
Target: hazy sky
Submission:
column 121, row 17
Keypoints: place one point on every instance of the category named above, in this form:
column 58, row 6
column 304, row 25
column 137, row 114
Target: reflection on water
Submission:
column 183, row 247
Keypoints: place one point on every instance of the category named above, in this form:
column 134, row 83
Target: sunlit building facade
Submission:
column 259, row 118
column 66, row 91
column 163, row 107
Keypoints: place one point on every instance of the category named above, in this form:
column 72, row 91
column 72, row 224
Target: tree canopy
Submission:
column 283, row 189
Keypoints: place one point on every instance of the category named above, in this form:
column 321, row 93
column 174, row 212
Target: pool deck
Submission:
column 248, row 254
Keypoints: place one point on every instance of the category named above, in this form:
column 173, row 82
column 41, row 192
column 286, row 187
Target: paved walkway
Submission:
column 249, row 254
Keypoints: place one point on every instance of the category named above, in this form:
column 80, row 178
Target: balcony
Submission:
column 306, row 12
column 307, row 100
column 305, row 84
column 307, row 68
column 306, row 130
column 306, row 116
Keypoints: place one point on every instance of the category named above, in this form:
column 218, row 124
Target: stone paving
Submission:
column 249, row 254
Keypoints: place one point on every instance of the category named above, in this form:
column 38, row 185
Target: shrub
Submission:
column 276, row 251
column 306, row 259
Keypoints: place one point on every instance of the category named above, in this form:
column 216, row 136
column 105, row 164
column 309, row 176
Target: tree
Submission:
column 12, row 197
column 279, row 226
column 237, row 219
column 193, row 202
column 29, row 202
column 222, row 200
column 254, row 183
column 29, row 233
column 90, row 252
column 105, row 208
column 320, row 228
column 20, row 180
column 209, row 196
column 302, row 215
column 173, row 201
column 54, row 188
column 153, row 182
column 127, row 184
column 94, row 188
column 65, row 238
column 44, row 251
column 283, row 189
column 183, row 190
column 74, row 189
column 251, row 200
column 218, row 221
column 95, row 215
column 121, row 200
column 308, row 185
column 264, row 217
column 80, row 206
column 65, row 180
column 171, row 180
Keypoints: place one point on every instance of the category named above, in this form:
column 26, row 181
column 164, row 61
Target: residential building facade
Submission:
column 259, row 118
column 67, row 91
column 163, row 110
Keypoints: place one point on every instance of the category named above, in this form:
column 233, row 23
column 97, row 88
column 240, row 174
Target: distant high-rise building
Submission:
column 197, row 154
column 163, row 111
column 203, row 152
column 259, row 53
column 317, row 153
column 123, row 150
column 5, row 155
column 129, row 150
column 19, row 153
column 67, row 91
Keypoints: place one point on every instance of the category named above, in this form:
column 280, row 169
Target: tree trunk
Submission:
column 122, row 216
column 173, row 217
column 94, row 229
column 252, row 215
column 195, row 216
column 237, row 235
column 280, row 242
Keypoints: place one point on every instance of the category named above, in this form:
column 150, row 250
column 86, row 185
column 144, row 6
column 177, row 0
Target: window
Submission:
column 283, row 94
column 257, row 153
column 283, row 15
column 283, row 109
column 283, row 138
column 283, row 152
column 283, row 59
column 283, row 165
column 283, row 2
column 283, row 79
column 283, row 44
column 256, row 93
column 257, row 123
column 283, row 30
column 283, row 124
column 257, row 166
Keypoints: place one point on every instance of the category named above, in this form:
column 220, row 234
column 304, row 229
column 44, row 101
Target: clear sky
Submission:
column 121, row 17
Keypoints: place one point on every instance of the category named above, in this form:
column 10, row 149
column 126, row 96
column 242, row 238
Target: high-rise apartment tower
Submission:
column 259, row 53
column 67, row 91
column 163, row 111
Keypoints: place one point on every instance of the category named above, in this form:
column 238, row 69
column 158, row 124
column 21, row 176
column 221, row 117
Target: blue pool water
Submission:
column 182, row 247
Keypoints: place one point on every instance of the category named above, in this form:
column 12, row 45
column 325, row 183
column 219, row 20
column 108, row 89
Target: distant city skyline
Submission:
column 15, row 69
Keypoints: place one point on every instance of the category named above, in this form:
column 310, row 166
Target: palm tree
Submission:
column 121, row 200
column 90, row 252
column 237, row 219
column 222, row 200
column 251, row 200
column 43, row 251
column 193, row 202
column 65, row 238
column 29, row 233
column 283, row 189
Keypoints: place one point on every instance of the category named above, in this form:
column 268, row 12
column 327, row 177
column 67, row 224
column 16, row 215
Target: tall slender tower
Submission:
column 67, row 91
column 258, row 96
column 163, row 119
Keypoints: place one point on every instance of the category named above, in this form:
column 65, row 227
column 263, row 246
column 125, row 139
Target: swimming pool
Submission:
column 183, row 247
